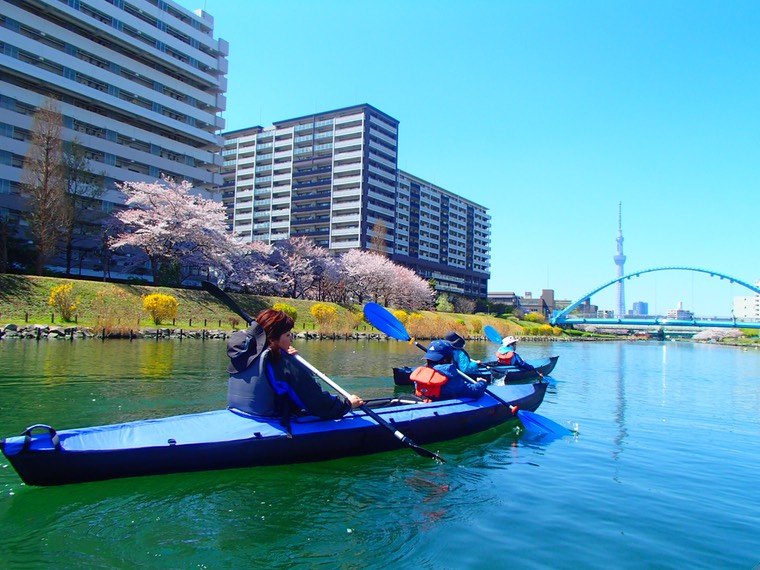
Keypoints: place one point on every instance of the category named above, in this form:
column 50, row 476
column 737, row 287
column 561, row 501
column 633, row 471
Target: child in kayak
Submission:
column 461, row 357
column 440, row 379
column 507, row 354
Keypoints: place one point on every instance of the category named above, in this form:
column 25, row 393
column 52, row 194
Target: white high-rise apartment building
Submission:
column 333, row 177
column 748, row 308
column 140, row 84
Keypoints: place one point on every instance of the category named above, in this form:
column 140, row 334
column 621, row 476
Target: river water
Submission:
column 663, row 472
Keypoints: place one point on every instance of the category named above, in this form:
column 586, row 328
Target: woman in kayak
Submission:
column 440, row 379
column 461, row 357
column 265, row 379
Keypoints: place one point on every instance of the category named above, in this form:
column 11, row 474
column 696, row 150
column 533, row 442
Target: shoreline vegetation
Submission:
column 103, row 310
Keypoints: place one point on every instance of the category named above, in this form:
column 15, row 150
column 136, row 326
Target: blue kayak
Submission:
column 492, row 371
column 224, row 439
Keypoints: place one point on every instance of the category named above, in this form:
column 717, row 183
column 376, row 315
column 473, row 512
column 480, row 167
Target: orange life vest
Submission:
column 505, row 358
column 428, row 382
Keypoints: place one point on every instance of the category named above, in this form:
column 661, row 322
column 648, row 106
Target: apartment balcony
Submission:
column 390, row 202
column 310, row 196
column 346, row 192
column 380, row 148
column 281, row 200
column 348, row 154
column 383, row 137
column 310, row 233
column 311, row 208
column 343, row 243
column 311, row 171
column 348, row 131
column 382, row 160
column 345, row 232
column 341, row 206
column 345, row 218
column 383, row 125
column 388, row 187
column 312, row 183
column 343, row 181
column 353, row 168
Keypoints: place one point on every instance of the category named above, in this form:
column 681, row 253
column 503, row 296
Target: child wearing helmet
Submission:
column 440, row 379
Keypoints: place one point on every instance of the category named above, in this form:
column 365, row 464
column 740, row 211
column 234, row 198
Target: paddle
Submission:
column 383, row 320
column 492, row 334
column 234, row 307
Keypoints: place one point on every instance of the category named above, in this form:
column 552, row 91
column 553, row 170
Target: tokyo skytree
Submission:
column 620, row 262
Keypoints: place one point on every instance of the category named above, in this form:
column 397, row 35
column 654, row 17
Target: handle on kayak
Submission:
column 27, row 433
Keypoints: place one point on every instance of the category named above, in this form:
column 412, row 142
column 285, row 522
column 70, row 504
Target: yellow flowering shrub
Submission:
column 160, row 307
column 62, row 299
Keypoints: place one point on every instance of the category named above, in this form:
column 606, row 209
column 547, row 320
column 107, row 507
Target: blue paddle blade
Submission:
column 383, row 320
column 540, row 424
column 492, row 334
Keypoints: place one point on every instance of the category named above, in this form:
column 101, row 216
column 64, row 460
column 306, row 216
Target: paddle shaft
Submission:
column 227, row 300
column 367, row 410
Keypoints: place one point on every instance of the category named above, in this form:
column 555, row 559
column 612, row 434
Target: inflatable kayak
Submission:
column 224, row 439
column 492, row 371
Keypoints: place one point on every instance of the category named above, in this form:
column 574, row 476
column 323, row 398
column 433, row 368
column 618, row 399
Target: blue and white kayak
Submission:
column 224, row 439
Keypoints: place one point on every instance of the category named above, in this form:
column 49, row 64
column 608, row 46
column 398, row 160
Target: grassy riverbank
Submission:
column 24, row 300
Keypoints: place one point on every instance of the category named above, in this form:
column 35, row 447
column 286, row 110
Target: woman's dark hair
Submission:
column 275, row 324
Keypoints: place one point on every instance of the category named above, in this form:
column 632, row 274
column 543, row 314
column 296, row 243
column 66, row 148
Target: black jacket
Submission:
column 251, row 391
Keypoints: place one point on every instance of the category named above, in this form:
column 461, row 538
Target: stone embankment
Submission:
column 55, row 332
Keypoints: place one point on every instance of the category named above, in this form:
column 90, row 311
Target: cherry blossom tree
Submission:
column 300, row 264
column 253, row 269
column 366, row 274
column 409, row 290
column 332, row 285
column 172, row 226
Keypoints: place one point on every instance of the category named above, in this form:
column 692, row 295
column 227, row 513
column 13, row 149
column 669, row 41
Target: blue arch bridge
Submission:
column 563, row 317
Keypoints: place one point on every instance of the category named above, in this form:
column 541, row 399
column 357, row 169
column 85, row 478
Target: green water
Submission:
column 663, row 473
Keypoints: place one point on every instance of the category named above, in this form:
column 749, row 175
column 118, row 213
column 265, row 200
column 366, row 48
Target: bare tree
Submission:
column 83, row 187
column 379, row 232
column 44, row 182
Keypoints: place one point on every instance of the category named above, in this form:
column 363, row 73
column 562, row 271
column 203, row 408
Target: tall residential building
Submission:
column 333, row 177
column 140, row 85
column 620, row 262
column 748, row 308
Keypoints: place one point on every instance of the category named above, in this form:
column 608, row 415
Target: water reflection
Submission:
column 156, row 359
column 622, row 430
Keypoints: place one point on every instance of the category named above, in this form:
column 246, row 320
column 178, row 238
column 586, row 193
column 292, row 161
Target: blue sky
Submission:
column 548, row 113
